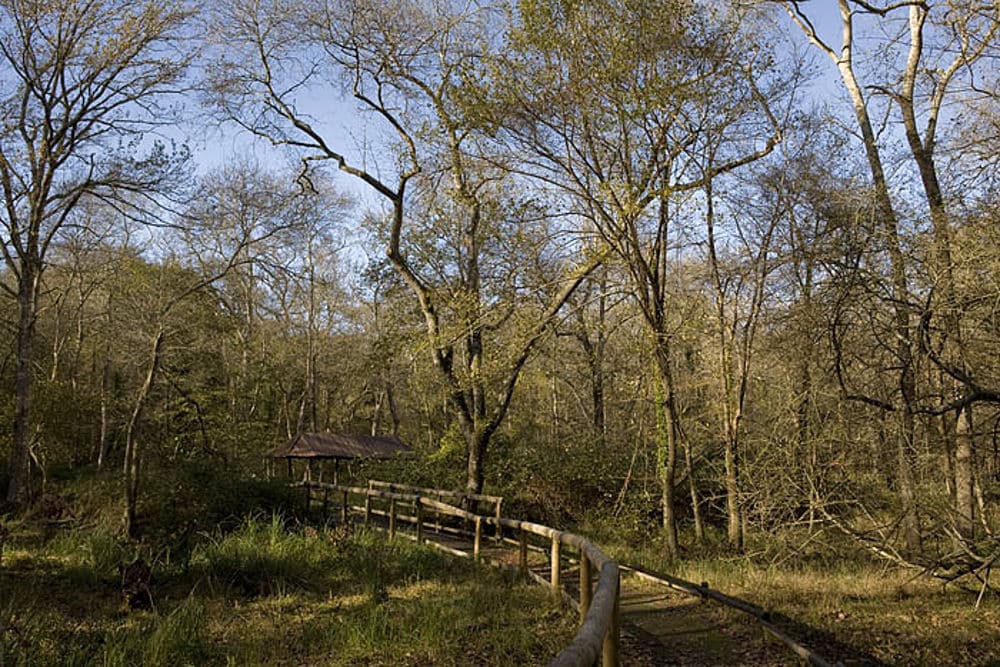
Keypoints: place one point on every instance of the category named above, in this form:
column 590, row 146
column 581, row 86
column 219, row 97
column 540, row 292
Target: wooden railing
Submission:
column 599, row 632
column 468, row 501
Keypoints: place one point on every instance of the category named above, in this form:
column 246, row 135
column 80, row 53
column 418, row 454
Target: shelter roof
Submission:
column 340, row 446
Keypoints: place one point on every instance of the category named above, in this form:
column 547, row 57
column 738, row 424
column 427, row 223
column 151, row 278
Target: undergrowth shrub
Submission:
column 91, row 555
column 263, row 557
column 193, row 497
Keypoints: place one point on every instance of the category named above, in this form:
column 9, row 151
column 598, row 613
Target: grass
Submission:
column 268, row 592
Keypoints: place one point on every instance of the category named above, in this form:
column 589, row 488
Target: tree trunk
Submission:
column 390, row 396
column 475, row 444
column 907, row 486
column 27, row 302
column 734, row 523
column 699, row 522
column 965, row 504
column 667, row 429
column 900, row 293
column 104, row 441
column 132, row 433
column 887, row 220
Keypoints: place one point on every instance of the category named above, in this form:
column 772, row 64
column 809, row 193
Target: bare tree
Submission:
column 939, row 52
column 405, row 64
column 82, row 84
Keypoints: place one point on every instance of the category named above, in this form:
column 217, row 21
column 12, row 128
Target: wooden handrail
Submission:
column 599, row 632
column 428, row 491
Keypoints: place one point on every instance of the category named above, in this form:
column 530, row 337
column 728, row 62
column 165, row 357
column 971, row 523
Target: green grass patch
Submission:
column 269, row 591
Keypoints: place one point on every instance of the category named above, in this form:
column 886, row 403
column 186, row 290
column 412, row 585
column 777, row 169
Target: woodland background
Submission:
column 724, row 275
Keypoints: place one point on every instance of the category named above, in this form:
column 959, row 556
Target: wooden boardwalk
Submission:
column 631, row 617
column 660, row 627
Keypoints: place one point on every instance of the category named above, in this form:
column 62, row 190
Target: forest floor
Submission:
column 290, row 592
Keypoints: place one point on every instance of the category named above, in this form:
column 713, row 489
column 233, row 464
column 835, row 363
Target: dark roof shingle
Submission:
column 340, row 446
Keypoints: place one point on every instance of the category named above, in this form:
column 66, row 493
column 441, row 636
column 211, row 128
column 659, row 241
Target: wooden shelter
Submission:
column 337, row 447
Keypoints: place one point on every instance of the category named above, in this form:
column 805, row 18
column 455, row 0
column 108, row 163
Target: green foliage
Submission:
column 177, row 638
column 267, row 592
column 191, row 497
column 20, row 623
column 264, row 557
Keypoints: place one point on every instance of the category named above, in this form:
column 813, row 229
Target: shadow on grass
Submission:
column 824, row 643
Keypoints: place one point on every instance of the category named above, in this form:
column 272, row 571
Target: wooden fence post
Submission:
column 476, row 543
column 555, row 563
column 419, row 507
column 392, row 518
column 611, row 655
column 523, row 561
column 368, row 509
column 586, row 593
column 346, row 508
column 499, row 527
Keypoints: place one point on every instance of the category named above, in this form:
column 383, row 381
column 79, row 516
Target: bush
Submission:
column 262, row 557
column 195, row 497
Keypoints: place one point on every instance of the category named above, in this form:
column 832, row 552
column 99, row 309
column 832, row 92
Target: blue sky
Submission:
column 345, row 129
